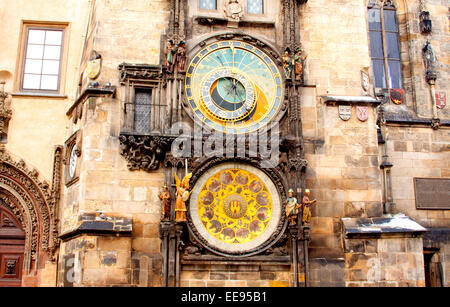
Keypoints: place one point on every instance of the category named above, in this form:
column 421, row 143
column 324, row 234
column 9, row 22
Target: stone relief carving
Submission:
column 144, row 152
column 5, row 110
column 430, row 61
column 234, row 10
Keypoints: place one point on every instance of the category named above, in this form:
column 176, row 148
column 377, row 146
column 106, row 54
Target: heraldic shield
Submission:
column 345, row 112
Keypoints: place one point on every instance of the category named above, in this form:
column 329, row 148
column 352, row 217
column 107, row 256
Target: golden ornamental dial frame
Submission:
column 266, row 54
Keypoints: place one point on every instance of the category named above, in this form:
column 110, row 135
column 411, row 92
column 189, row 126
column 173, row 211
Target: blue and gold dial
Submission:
column 233, row 87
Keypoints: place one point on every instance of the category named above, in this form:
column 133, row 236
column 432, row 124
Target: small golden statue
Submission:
column 182, row 196
column 306, row 203
column 299, row 60
column 292, row 207
column 165, row 200
column 287, row 64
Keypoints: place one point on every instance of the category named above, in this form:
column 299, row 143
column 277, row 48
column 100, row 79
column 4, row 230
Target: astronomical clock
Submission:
column 233, row 87
column 236, row 88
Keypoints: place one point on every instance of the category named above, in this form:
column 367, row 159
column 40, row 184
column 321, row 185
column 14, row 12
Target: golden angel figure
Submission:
column 182, row 196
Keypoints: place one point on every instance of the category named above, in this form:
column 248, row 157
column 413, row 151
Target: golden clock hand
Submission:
column 232, row 52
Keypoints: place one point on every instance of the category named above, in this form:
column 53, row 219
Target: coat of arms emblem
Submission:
column 365, row 81
column 362, row 113
column 93, row 68
column 345, row 112
column 397, row 95
column 441, row 100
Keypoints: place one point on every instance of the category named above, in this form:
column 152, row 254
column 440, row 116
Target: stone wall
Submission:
column 385, row 262
column 418, row 152
column 343, row 172
column 106, row 185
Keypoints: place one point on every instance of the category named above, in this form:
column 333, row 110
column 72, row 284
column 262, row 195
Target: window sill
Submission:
column 45, row 95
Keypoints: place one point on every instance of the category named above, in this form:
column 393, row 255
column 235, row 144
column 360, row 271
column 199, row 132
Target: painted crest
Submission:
column 93, row 68
column 397, row 95
column 362, row 113
column 365, row 81
column 345, row 112
column 441, row 100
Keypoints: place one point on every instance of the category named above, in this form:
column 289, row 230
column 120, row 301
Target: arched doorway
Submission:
column 12, row 248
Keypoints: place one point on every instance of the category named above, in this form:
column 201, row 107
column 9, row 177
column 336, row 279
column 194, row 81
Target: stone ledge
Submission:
column 100, row 224
column 92, row 92
column 351, row 100
column 387, row 225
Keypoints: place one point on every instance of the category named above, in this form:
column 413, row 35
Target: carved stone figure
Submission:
column 171, row 50
column 288, row 64
column 165, row 201
column 430, row 59
column 5, row 110
column 299, row 60
column 181, row 56
column 233, row 9
column 306, row 204
column 292, row 207
column 183, row 195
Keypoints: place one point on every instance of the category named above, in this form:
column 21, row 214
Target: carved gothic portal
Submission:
column 30, row 205
column 12, row 247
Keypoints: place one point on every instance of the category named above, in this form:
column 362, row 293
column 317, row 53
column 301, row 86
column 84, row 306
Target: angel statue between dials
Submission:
column 183, row 195
column 306, row 203
column 292, row 208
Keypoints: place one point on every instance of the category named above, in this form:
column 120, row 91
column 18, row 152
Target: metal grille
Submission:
column 142, row 111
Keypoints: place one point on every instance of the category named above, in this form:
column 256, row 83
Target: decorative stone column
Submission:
column 5, row 111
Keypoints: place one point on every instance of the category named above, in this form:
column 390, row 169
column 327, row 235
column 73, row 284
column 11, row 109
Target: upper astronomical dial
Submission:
column 233, row 87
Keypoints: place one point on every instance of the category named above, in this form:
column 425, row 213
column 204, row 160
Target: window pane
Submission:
column 36, row 37
column 142, row 109
column 208, row 4
column 49, row 82
column 379, row 76
column 35, row 51
column 53, row 38
column 31, row 82
column 390, row 20
column 395, row 74
column 374, row 19
column 376, row 45
column 255, row 6
column 52, row 52
column 33, row 66
column 50, row 67
column 392, row 46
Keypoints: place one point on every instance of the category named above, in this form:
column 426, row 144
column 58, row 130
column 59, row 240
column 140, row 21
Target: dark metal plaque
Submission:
column 432, row 193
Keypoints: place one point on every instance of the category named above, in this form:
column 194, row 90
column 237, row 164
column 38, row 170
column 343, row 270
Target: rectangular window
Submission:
column 255, row 6
column 142, row 110
column 208, row 4
column 381, row 56
column 41, row 69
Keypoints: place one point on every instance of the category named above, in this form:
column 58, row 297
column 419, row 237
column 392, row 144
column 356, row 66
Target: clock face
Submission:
column 233, row 87
column 235, row 208
column 73, row 161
